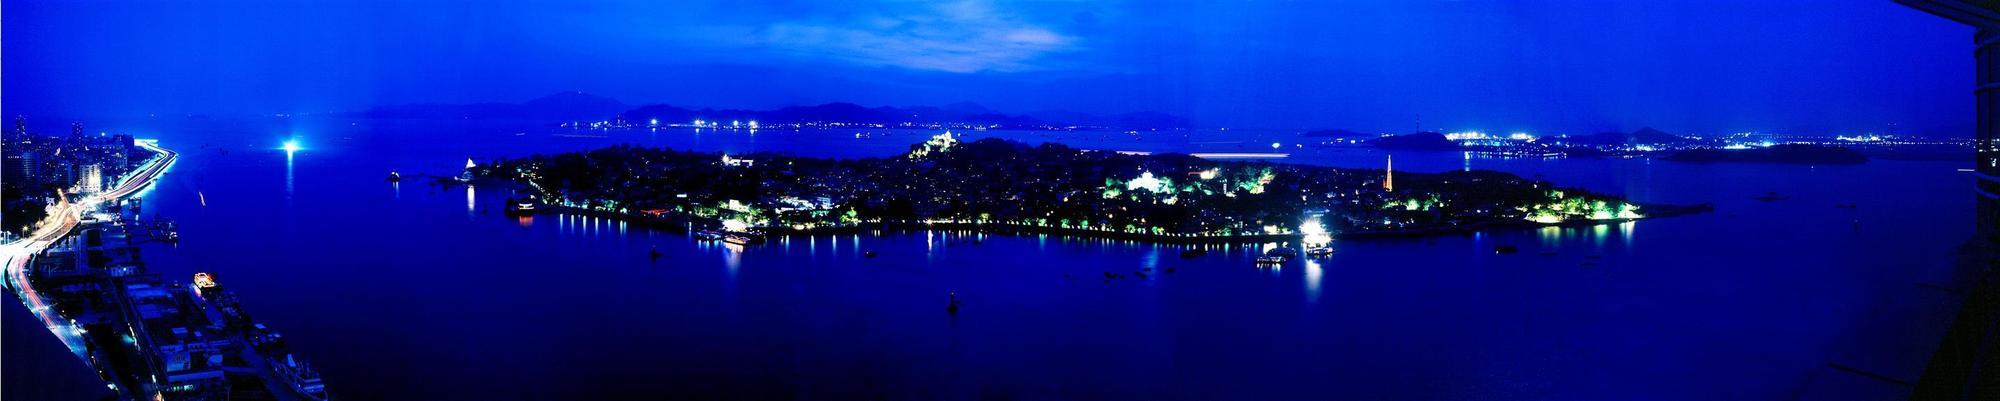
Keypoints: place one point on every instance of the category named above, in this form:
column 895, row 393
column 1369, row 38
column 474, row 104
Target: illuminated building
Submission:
column 91, row 180
column 203, row 280
column 1389, row 175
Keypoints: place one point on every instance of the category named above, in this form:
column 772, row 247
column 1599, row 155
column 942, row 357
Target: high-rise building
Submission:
column 18, row 168
column 90, row 178
column 1966, row 365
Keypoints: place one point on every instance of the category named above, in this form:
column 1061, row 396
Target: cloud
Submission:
column 960, row 37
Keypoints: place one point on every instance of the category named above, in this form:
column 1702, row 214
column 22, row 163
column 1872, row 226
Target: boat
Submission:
column 1194, row 253
column 868, row 253
column 1320, row 252
column 951, row 306
column 1505, row 249
column 521, row 207
column 1269, row 260
column 395, row 177
column 301, row 378
column 741, row 238
column 1283, row 252
column 1844, row 205
column 708, row 235
column 1770, row 197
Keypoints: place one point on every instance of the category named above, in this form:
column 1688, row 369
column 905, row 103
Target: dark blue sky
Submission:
column 1548, row 66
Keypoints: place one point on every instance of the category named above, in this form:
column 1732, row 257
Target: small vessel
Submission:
column 1770, row 197
column 741, row 238
column 1505, row 249
column 1269, row 260
column 708, row 235
column 1320, row 252
column 1194, row 253
column 395, row 177
column 868, row 253
column 951, row 306
column 1283, row 252
column 655, row 253
column 521, row 207
column 1844, row 205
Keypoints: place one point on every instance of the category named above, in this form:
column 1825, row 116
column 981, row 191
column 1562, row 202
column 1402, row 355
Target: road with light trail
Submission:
column 65, row 218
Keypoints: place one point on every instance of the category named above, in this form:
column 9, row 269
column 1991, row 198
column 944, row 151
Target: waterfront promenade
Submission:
column 60, row 223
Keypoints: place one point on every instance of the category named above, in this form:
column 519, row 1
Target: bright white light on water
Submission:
column 1315, row 232
column 291, row 146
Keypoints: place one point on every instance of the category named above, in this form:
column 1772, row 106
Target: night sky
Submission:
column 1837, row 66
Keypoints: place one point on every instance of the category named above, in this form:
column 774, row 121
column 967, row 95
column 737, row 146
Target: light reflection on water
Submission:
column 1314, row 274
column 288, row 176
column 1682, row 303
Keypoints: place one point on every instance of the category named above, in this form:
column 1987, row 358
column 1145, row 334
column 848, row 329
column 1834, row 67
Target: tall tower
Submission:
column 21, row 126
column 76, row 129
column 1389, row 175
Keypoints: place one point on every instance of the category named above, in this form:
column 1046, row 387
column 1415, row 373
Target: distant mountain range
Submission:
column 578, row 106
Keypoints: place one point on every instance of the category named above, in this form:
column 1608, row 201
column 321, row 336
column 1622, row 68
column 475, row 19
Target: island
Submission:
column 1001, row 185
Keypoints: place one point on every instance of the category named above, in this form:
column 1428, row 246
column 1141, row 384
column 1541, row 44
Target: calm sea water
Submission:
column 417, row 292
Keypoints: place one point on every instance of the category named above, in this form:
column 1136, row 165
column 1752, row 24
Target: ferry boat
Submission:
column 301, row 378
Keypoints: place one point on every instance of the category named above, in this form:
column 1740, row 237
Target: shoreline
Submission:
column 677, row 222
column 27, row 248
